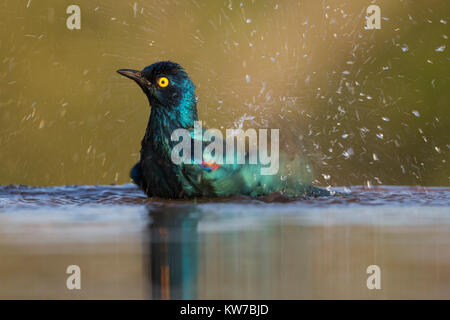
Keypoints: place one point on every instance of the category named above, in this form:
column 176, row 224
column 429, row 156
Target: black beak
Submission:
column 134, row 75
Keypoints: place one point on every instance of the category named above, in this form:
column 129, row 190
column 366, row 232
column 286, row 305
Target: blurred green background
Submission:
column 362, row 106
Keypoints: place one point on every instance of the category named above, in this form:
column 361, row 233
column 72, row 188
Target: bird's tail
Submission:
column 294, row 179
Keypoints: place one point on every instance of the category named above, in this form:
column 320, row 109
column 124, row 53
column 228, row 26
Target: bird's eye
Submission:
column 163, row 82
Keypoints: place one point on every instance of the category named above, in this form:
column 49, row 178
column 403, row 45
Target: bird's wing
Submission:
column 210, row 177
column 207, row 177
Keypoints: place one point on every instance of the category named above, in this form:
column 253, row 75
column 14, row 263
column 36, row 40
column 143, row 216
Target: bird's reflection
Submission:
column 171, row 262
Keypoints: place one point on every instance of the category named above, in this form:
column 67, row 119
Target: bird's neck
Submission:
column 165, row 120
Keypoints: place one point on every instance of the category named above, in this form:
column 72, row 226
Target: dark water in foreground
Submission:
column 128, row 246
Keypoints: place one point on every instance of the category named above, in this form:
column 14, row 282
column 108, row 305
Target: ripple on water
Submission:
column 125, row 206
column 19, row 196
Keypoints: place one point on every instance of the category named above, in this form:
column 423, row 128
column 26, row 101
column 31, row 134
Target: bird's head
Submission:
column 165, row 84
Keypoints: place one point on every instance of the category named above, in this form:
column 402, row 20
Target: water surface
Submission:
column 128, row 246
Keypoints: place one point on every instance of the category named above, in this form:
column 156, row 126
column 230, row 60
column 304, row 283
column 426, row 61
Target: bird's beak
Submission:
column 134, row 75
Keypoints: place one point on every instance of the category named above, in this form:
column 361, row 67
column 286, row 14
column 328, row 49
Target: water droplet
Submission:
column 386, row 119
column 441, row 48
column 404, row 47
column 364, row 130
column 380, row 135
column 416, row 113
column 326, row 176
column 348, row 153
column 375, row 157
column 247, row 78
column 433, row 83
column 248, row 21
column 344, row 136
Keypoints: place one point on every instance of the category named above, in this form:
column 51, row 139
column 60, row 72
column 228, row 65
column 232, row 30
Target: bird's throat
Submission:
column 164, row 121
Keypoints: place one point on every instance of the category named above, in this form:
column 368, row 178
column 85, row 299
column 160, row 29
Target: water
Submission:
column 128, row 246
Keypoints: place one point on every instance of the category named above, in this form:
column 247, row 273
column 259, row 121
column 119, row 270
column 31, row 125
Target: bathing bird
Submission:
column 171, row 95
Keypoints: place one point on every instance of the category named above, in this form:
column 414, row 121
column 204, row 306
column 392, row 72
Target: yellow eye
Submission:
column 163, row 82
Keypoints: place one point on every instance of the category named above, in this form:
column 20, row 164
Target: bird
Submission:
column 171, row 96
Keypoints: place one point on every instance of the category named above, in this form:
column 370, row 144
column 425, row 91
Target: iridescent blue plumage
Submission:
column 171, row 94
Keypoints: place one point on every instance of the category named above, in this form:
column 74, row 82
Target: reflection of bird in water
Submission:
column 172, row 256
column 171, row 94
